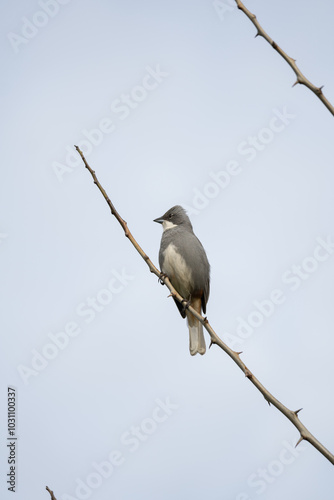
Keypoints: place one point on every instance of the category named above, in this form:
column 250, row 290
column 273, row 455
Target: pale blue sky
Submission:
column 191, row 110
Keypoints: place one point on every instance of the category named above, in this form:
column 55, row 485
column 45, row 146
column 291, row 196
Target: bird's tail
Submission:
column 196, row 336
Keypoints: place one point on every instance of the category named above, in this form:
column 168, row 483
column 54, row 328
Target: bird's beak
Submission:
column 159, row 220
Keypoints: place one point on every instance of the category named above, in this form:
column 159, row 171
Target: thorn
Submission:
column 297, row 411
column 269, row 403
column 299, row 440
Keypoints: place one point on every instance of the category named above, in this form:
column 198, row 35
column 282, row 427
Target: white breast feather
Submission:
column 178, row 271
column 167, row 224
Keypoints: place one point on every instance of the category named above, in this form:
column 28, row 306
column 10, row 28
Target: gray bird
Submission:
column 183, row 259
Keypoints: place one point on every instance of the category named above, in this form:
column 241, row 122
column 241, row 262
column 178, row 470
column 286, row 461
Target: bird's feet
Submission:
column 186, row 304
column 160, row 279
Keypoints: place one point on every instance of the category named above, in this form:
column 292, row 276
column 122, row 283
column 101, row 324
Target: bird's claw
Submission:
column 186, row 304
column 160, row 279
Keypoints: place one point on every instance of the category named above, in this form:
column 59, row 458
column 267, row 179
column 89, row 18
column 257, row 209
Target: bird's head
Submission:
column 175, row 216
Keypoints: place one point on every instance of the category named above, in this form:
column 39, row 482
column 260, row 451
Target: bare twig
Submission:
column 51, row 493
column 291, row 415
column 292, row 62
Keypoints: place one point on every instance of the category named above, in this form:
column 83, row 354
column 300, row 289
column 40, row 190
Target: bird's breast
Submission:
column 177, row 270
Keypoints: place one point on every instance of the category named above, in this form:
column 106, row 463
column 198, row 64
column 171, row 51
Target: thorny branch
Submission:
column 292, row 62
column 290, row 414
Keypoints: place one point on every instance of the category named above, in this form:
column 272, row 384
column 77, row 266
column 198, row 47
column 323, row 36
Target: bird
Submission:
column 183, row 259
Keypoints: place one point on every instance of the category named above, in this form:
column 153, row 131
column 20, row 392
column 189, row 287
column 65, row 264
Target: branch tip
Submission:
column 51, row 493
column 292, row 62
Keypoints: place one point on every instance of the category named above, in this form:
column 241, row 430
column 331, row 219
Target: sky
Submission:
column 172, row 103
